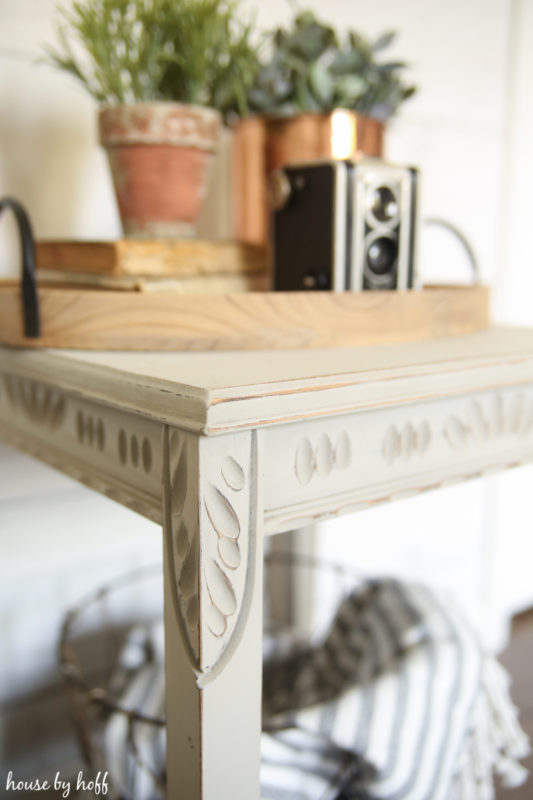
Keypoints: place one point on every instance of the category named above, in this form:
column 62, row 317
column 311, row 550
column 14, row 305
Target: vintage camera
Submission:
column 343, row 225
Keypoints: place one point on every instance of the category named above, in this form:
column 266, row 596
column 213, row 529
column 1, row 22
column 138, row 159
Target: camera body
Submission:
column 343, row 225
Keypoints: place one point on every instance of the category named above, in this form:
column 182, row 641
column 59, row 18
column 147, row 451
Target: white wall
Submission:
column 48, row 157
column 510, row 502
column 58, row 543
column 469, row 129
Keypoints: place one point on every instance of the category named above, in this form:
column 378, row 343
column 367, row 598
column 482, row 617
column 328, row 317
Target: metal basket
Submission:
column 95, row 632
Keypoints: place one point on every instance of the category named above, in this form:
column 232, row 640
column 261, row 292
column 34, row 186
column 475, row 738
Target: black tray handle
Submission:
column 32, row 324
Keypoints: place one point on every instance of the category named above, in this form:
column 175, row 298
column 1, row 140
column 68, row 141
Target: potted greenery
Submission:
column 316, row 95
column 163, row 72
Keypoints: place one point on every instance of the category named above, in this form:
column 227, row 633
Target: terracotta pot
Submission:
column 262, row 143
column 159, row 154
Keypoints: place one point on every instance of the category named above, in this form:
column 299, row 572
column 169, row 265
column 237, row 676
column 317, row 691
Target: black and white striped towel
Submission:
column 396, row 702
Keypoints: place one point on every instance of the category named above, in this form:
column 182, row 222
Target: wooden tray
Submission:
column 111, row 320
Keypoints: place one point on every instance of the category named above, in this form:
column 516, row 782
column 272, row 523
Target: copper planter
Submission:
column 263, row 143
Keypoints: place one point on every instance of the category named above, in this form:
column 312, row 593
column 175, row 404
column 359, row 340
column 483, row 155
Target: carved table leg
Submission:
column 213, row 615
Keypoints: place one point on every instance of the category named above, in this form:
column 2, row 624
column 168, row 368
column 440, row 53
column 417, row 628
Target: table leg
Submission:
column 213, row 615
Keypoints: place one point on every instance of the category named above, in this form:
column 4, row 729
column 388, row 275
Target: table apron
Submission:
column 313, row 469
column 115, row 452
column 322, row 468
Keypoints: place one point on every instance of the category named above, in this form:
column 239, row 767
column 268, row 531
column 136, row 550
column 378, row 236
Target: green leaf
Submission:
column 260, row 100
column 383, row 41
column 305, row 100
column 349, row 88
column 189, row 51
column 312, row 68
column 347, row 62
column 321, row 83
column 354, row 84
column 391, row 66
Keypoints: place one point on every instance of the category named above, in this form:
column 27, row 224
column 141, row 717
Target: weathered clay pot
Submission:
column 159, row 154
column 263, row 143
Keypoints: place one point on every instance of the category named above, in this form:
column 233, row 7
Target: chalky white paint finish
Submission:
column 221, row 447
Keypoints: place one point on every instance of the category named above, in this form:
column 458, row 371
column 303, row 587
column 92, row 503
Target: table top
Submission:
column 213, row 392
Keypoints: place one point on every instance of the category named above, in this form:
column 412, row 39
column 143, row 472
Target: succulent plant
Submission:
column 311, row 69
column 190, row 51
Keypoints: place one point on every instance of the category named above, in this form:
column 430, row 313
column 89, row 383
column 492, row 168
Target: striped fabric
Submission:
column 396, row 702
column 401, row 682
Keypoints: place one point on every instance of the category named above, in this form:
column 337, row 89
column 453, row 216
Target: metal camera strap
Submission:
column 32, row 325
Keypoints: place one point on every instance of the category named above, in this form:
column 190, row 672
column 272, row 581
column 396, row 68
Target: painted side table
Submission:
column 225, row 448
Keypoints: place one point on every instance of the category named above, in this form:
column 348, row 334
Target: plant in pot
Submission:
column 316, row 95
column 163, row 73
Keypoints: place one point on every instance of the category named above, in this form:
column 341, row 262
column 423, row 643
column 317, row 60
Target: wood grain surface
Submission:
column 151, row 257
column 107, row 320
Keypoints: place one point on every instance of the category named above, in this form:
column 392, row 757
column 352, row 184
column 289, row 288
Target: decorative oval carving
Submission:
column 193, row 612
column 233, row 474
column 80, row 426
column 324, row 459
column 324, row 456
column 220, row 589
column 189, row 571
column 147, row 457
column 182, row 539
column 40, row 403
column 10, row 391
column 179, row 482
column 516, row 415
column 527, row 416
column 89, row 429
column 423, row 439
column 221, row 514
column 100, row 435
column 509, row 416
column 495, row 416
column 343, row 454
column 229, row 552
column 305, row 461
column 58, row 412
column 391, row 445
column 476, row 422
column 216, row 621
column 122, row 446
column 455, row 432
column 43, row 403
column 134, row 450
column 407, row 441
column 27, row 396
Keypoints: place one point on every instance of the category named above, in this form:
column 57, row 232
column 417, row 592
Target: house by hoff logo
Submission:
column 98, row 785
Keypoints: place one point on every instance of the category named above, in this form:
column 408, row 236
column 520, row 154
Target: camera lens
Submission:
column 381, row 255
column 384, row 205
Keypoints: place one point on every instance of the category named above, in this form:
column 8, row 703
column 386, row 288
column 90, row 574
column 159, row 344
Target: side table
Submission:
column 225, row 448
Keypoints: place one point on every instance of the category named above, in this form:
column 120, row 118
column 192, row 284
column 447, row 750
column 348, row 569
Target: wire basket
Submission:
column 117, row 630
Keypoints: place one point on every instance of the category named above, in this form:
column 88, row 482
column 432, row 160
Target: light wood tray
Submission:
column 111, row 320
